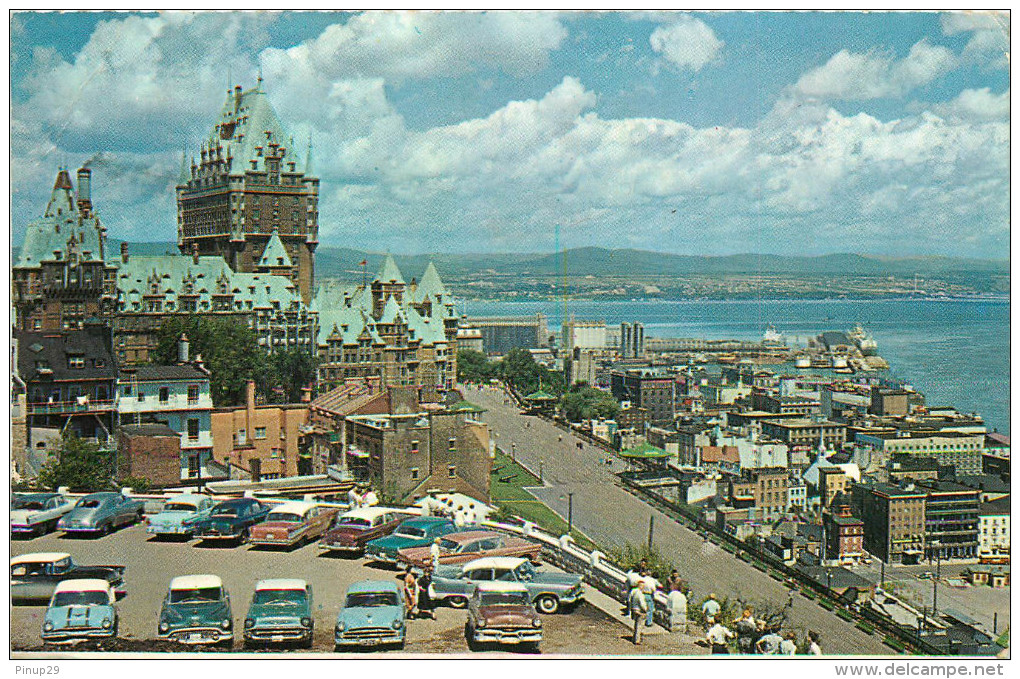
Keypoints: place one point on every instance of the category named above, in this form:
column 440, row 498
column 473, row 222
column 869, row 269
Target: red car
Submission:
column 470, row 545
column 292, row 523
column 352, row 530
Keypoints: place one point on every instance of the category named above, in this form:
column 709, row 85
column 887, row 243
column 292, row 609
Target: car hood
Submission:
column 416, row 554
column 62, row 617
column 376, row 616
column 205, row 613
column 220, row 522
column 517, row 616
column 279, row 613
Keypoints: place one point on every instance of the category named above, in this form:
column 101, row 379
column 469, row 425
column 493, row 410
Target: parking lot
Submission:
column 151, row 564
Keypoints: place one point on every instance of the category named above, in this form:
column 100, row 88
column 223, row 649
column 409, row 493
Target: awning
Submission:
column 354, row 452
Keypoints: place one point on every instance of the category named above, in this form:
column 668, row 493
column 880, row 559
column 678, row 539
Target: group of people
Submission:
column 362, row 495
column 417, row 603
column 462, row 514
column 641, row 599
column 753, row 636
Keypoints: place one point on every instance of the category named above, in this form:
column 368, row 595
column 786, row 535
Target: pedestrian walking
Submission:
column 370, row 499
column 425, row 604
column 814, row 647
column 412, row 590
column 746, row 630
column 710, row 609
column 718, row 637
column 434, row 553
column 638, row 610
column 353, row 498
column 648, row 586
column 677, row 610
column 769, row 642
column 789, row 644
column 674, row 581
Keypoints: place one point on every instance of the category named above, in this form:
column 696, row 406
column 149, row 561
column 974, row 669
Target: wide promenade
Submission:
column 613, row 517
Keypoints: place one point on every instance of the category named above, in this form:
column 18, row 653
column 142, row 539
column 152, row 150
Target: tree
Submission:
column 228, row 347
column 587, row 403
column 80, row 465
column 519, row 368
column 473, row 366
column 285, row 374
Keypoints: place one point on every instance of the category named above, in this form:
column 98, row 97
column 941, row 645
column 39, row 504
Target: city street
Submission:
column 151, row 565
column 613, row 517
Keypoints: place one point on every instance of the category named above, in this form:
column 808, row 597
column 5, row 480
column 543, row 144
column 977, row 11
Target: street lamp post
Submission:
column 935, row 581
column 513, row 452
column 570, row 512
column 540, row 464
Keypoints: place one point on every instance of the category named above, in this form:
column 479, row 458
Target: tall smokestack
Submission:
column 84, row 191
column 124, row 253
column 182, row 349
column 237, row 98
column 194, row 253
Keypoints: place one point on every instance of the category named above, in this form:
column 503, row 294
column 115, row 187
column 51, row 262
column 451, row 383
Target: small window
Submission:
column 274, row 453
column 193, row 429
column 141, row 396
column 453, row 443
column 127, row 389
column 192, row 393
column 164, row 394
column 260, row 432
column 414, row 446
column 452, row 471
column 414, row 473
column 242, row 436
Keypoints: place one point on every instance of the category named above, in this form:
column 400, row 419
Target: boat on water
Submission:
column 772, row 337
column 802, row 362
column 839, row 362
column 863, row 340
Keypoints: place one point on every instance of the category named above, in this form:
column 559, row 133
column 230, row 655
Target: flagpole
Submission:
column 364, row 273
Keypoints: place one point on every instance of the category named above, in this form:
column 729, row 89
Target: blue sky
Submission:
column 705, row 133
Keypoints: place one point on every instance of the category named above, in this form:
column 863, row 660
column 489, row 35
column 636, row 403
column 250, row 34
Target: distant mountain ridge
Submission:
column 331, row 261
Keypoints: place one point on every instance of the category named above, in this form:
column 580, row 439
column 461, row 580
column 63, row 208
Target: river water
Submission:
column 954, row 351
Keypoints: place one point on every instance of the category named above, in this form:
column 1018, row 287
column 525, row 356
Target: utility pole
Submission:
column 651, row 530
column 570, row 512
column 540, row 463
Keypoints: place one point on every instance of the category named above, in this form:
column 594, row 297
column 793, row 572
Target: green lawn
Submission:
column 507, row 490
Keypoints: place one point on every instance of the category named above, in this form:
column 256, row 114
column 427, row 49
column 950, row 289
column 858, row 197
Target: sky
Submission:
column 706, row 133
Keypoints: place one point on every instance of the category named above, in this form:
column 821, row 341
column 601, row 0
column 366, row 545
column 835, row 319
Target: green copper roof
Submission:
column 59, row 230
column 644, row 451
column 275, row 254
column 389, row 272
column 540, row 396
column 247, row 121
column 465, row 407
column 392, row 313
column 432, row 285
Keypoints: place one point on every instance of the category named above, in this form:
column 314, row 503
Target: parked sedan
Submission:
column 501, row 612
column 373, row 614
column 548, row 591
column 415, row 532
column 280, row 611
column 101, row 513
column 36, row 576
column 80, row 609
column 292, row 523
column 38, row 513
column 352, row 530
column 179, row 516
column 231, row 520
column 462, row 547
column 196, row 610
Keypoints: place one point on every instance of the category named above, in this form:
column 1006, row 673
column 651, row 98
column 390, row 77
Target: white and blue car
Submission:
column 179, row 516
column 34, row 514
column 372, row 615
column 80, row 610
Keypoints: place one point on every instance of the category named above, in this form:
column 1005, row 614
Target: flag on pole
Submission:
column 364, row 262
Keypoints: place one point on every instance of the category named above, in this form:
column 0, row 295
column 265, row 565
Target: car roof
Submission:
column 35, row 496
column 104, row 495
column 424, row 520
column 40, row 557
column 509, row 562
column 373, row 586
column 370, row 512
column 501, row 587
column 83, row 585
column 295, row 507
column 281, row 583
column 236, row 501
column 187, row 497
column 470, row 535
column 195, row 582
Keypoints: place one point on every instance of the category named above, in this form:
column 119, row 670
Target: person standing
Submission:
column 638, row 610
column 370, row 499
column 674, row 581
column 789, row 645
column 710, row 609
column 434, row 553
column 814, row 648
column 718, row 637
column 677, row 610
column 353, row 498
column 746, row 629
column 770, row 642
column 425, row 603
column 412, row 591
column 648, row 585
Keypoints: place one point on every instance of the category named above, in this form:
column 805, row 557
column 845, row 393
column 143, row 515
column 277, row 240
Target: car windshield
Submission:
column 410, row 531
column 448, row 545
column 88, row 504
column 225, row 511
column 503, row 598
column 279, row 596
column 371, row 599
column 353, row 521
column 179, row 507
column 93, row 598
column 180, row 596
column 525, row 572
column 285, row 517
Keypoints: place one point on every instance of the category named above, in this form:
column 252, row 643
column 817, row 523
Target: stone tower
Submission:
column 249, row 191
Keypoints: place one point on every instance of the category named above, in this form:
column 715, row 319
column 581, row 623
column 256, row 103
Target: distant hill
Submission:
column 593, row 261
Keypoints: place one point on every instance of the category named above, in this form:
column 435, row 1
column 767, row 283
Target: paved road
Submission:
column 613, row 517
column 151, row 564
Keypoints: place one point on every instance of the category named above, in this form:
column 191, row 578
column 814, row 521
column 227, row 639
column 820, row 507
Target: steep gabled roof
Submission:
column 275, row 254
column 247, row 121
column 431, row 285
column 389, row 272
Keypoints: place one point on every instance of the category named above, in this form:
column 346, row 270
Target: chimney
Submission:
column 237, row 98
column 249, row 411
column 84, row 191
column 182, row 349
column 124, row 253
column 194, row 252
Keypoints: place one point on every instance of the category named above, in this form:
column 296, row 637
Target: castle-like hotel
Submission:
column 247, row 229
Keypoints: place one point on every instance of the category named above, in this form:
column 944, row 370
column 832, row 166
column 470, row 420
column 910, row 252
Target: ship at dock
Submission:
column 864, row 341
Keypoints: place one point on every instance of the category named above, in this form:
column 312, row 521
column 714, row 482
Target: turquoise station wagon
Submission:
column 372, row 615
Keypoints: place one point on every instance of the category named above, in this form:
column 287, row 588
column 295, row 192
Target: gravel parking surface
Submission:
column 151, row 564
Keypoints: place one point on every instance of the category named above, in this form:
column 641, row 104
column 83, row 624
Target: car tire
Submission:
column 243, row 537
column 106, row 529
column 139, row 517
column 547, row 604
column 458, row 602
column 534, row 647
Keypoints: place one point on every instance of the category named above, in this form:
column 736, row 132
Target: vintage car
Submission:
column 351, row 530
column 80, row 609
column 35, row 577
column 179, row 515
column 548, row 591
column 38, row 513
column 292, row 523
column 231, row 520
column 280, row 611
column 101, row 513
column 372, row 615
column 501, row 612
column 196, row 610
column 471, row 545
column 415, row 532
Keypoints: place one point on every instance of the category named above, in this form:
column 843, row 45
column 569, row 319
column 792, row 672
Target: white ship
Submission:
column 772, row 337
column 802, row 362
column 863, row 340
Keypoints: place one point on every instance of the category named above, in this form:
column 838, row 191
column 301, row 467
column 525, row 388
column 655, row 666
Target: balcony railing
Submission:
column 66, row 407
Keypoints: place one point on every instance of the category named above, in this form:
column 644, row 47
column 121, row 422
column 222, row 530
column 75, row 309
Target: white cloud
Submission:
column 989, row 41
column 873, row 75
column 976, row 105
column 687, row 43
